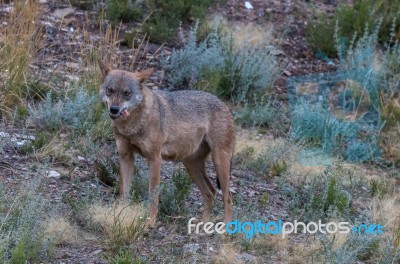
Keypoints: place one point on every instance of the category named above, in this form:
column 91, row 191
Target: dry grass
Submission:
column 227, row 254
column 20, row 41
column 120, row 223
column 107, row 49
column 250, row 34
column 61, row 231
column 386, row 212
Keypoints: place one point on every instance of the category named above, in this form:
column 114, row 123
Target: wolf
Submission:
column 184, row 126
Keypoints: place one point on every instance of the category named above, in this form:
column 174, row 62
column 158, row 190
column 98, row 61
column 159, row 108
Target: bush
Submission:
column 352, row 22
column 272, row 161
column 21, row 39
column 168, row 14
column 121, row 224
column 269, row 114
column 76, row 112
column 173, row 196
column 355, row 141
column 327, row 196
column 123, row 10
column 22, row 238
column 237, row 71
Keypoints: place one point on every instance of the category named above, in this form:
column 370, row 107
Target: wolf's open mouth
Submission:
column 113, row 117
column 124, row 112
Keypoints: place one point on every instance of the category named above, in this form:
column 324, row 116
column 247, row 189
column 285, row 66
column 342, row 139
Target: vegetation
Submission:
column 78, row 211
column 349, row 23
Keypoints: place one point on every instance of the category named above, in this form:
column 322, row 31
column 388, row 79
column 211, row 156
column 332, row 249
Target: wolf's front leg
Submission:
column 154, row 189
column 126, row 169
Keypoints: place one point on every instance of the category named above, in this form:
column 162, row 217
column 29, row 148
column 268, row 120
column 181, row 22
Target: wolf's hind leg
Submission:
column 195, row 165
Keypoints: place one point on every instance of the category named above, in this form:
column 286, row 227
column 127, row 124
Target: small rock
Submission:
column 73, row 65
column 251, row 194
column 4, row 134
column 21, row 143
column 192, row 248
column 248, row 5
column 287, row 73
column 53, row 174
column 63, row 12
column 80, row 158
column 161, row 229
column 97, row 252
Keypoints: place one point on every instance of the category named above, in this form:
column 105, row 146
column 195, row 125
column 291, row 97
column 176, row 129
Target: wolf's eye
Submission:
column 109, row 90
column 127, row 93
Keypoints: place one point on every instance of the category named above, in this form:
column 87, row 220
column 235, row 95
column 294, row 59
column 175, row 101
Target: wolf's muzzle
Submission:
column 114, row 112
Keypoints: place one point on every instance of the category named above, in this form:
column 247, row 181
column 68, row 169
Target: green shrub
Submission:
column 352, row 22
column 316, row 126
column 123, row 10
column 83, row 4
column 75, row 112
column 173, row 196
column 125, row 256
column 42, row 139
column 238, row 72
column 269, row 114
column 272, row 161
column 168, row 14
column 22, row 214
column 329, row 195
column 159, row 30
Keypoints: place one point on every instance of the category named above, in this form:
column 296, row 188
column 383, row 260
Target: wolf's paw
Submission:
column 150, row 224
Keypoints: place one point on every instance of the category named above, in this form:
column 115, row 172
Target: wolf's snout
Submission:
column 114, row 110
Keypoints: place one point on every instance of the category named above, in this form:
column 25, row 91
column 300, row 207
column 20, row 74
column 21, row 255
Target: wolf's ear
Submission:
column 144, row 75
column 104, row 68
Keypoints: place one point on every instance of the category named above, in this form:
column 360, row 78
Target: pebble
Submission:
column 53, row 174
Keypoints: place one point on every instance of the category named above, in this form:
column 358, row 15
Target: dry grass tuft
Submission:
column 226, row 254
column 250, row 34
column 61, row 231
column 120, row 223
column 21, row 39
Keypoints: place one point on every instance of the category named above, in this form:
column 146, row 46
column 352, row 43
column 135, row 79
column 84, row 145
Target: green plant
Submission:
column 173, row 196
column 123, row 10
column 124, row 256
column 22, row 214
column 168, row 14
column 316, row 126
column 328, row 195
column 238, row 71
column 41, row 140
column 352, row 23
column 272, row 161
column 381, row 187
column 21, row 40
column 83, row 4
column 269, row 114
column 263, row 200
column 120, row 223
column 76, row 112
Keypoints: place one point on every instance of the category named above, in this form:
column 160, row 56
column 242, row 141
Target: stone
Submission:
column 53, row 174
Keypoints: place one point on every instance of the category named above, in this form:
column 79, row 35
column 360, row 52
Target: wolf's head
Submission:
column 122, row 90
